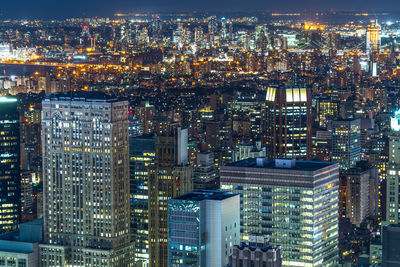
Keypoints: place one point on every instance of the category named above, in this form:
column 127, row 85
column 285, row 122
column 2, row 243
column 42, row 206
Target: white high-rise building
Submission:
column 85, row 180
column 294, row 202
column 392, row 182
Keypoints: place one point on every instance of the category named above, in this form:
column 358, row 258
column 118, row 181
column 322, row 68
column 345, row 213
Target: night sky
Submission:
column 78, row 8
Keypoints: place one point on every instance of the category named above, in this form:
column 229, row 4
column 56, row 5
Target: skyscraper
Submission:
column 346, row 135
column 206, row 175
column 361, row 193
column 170, row 176
column 373, row 39
column 393, row 173
column 288, row 123
column 294, row 202
column 142, row 155
column 10, row 180
column 203, row 228
column 326, row 109
column 85, row 180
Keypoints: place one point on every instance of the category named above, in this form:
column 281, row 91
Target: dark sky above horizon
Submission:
column 79, row 8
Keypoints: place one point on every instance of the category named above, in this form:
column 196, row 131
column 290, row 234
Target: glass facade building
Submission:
column 203, row 227
column 10, row 180
column 288, row 123
column 142, row 154
column 346, row 148
column 294, row 203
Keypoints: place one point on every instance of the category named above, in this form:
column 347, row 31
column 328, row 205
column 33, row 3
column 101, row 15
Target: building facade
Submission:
column 393, row 172
column 257, row 252
column 142, row 155
column 294, row 202
column 390, row 245
column 346, row 148
column 86, row 180
column 288, row 123
column 203, row 227
column 206, row 175
column 10, row 186
column 21, row 248
column 361, row 194
column 170, row 176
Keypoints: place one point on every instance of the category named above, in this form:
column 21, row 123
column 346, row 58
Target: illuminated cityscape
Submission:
column 212, row 133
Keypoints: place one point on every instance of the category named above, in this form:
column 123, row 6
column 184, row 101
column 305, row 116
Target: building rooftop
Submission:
column 200, row 195
column 16, row 246
column 254, row 247
column 81, row 96
column 281, row 164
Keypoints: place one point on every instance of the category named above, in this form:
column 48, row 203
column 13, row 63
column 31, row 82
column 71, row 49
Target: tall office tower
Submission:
column 198, row 36
column 288, row 123
column 30, row 129
column 212, row 25
column 327, row 109
column 294, row 202
column 390, row 245
column 170, row 176
column 142, row 155
column 206, row 175
column 203, row 227
column 10, row 186
column 322, row 146
column 346, row 143
column 373, row 39
column 257, row 252
column 145, row 112
column 26, row 192
column 85, row 180
column 393, row 173
column 361, row 193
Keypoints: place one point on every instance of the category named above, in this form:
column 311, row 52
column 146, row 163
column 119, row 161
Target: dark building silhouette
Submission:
column 288, row 123
column 141, row 154
column 10, row 185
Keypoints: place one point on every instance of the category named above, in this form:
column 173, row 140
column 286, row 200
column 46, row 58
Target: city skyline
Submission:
column 61, row 9
column 199, row 139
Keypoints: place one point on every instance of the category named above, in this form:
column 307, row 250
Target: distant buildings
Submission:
column 170, row 176
column 294, row 202
column 203, row 228
column 10, row 185
column 257, row 252
column 373, row 39
column 288, row 123
column 86, row 180
column 346, row 150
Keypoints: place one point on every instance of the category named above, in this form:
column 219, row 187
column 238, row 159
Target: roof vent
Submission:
column 261, row 162
column 285, row 163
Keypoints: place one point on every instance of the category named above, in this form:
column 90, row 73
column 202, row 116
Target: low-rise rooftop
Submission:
column 281, row 164
column 200, row 195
